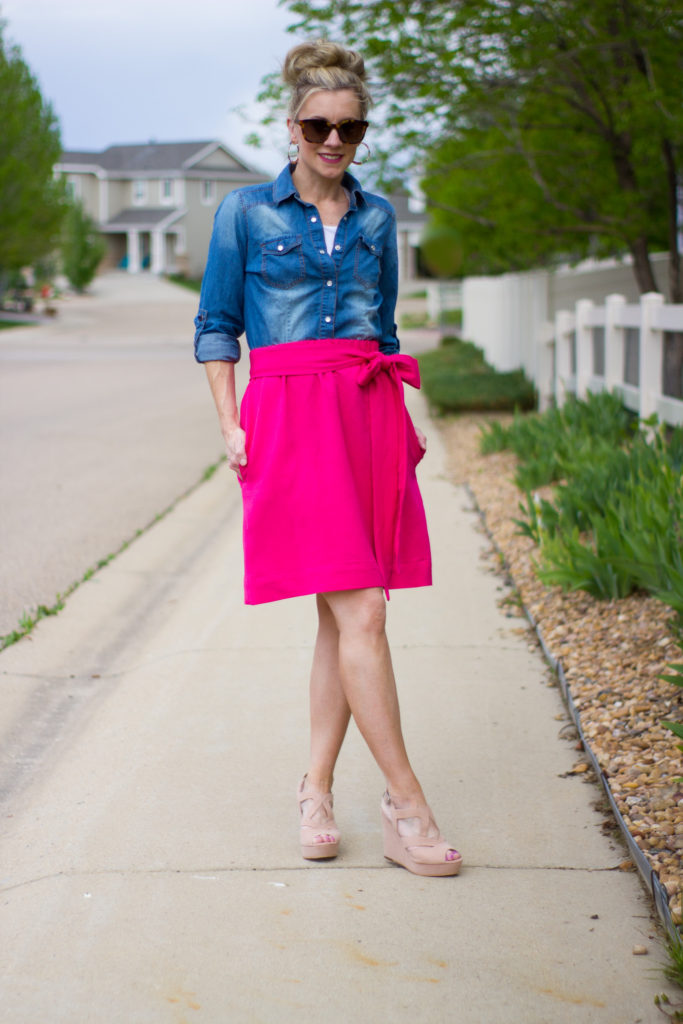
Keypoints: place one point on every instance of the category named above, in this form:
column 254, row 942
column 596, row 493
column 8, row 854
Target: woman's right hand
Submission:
column 235, row 449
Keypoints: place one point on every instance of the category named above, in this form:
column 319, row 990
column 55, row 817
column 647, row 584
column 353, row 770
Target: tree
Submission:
column 542, row 128
column 30, row 197
column 83, row 247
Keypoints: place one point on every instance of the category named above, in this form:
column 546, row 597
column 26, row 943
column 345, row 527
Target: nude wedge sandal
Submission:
column 420, row 853
column 317, row 820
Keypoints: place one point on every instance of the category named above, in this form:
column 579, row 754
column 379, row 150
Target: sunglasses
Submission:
column 317, row 129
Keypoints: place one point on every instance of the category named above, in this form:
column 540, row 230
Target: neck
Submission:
column 313, row 189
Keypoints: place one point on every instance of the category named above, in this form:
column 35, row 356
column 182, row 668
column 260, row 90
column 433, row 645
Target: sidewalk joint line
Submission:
column 291, row 869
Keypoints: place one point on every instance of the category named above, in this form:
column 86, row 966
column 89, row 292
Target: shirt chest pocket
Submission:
column 282, row 261
column 367, row 261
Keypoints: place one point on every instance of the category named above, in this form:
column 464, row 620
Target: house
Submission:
column 154, row 203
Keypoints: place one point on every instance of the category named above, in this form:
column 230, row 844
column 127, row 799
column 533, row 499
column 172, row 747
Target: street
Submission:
column 105, row 419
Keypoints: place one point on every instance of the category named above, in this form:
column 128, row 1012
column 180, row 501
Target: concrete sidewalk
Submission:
column 153, row 735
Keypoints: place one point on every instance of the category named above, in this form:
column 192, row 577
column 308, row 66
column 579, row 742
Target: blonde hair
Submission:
column 321, row 66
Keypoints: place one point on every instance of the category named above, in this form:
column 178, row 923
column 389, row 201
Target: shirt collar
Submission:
column 284, row 187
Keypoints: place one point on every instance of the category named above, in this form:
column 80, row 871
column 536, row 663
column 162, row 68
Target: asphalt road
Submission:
column 105, row 419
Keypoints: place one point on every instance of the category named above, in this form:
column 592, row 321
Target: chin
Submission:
column 335, row 170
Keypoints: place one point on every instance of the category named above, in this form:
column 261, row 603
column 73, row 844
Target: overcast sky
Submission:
column 121, row 71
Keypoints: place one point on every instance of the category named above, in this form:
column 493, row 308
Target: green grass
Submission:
column 6, row 324
column 194, row 284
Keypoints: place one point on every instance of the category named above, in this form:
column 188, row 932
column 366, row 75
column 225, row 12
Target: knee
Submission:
column 369, row 613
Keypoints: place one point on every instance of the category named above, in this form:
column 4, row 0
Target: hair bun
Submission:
column 320, row 53
column 321, row 65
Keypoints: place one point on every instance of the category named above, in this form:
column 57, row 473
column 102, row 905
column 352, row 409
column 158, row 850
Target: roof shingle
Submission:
column 150, row 156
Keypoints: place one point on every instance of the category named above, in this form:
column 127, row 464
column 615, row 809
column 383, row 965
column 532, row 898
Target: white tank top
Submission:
column 330, row 230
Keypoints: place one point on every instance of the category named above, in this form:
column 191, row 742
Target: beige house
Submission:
column 155, row 202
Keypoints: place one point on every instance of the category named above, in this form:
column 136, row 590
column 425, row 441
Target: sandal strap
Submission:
column 419, row 840
column 320, row 803
column 424, row 816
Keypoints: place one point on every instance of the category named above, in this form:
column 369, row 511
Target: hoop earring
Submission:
column 366, row 157
column 293, row 156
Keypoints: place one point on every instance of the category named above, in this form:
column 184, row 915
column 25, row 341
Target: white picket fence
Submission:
column 615, row 347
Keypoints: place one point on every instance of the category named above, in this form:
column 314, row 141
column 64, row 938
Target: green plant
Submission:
column 674, row 969
column 494, row 437
column 550, row 444
column 673, row 972
column 83, row 247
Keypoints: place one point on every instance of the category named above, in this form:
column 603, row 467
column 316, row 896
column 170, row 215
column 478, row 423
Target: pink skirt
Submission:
column 331, row 500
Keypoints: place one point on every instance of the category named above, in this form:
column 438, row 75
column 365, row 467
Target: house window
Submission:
column 166, row 188
column 208, row 192
column 139, row 192
column 73, row 188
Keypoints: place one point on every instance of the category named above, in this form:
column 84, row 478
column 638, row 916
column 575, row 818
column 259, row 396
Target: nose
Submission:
column 333, row 138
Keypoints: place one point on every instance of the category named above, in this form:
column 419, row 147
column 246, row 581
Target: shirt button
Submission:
column 313, row 220
column 322, row 252
column 337, row 247
column 329, row 284
column 280, row 248
column 328, row 319
column 372, row 247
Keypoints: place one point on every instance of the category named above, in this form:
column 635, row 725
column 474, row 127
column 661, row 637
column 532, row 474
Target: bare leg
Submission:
column 366, row 677
column 352, row 674
column 330, row 712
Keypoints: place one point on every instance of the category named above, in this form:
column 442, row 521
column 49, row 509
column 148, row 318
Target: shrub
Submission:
column 615, row 521
column 456, row 378
column 83, row 247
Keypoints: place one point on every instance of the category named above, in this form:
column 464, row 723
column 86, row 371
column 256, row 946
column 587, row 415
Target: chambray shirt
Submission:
column 269, row 274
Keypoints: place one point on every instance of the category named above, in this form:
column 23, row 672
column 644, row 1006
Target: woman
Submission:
column 323, row 445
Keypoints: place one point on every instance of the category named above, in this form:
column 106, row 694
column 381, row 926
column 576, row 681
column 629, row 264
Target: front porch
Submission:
column 146, row 239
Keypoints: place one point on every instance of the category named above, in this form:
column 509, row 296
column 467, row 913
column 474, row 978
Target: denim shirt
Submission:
column 269, row 274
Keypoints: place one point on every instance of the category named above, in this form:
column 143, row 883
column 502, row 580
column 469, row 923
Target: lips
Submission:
column 330, row 158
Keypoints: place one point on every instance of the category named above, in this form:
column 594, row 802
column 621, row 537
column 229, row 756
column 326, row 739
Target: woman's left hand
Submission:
column 421, row 439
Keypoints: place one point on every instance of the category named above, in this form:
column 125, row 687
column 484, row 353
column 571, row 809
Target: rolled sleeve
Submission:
column 220, row 320
column 214, row 345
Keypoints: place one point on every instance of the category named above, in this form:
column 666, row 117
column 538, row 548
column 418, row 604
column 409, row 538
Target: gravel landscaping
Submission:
column 612, row 653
